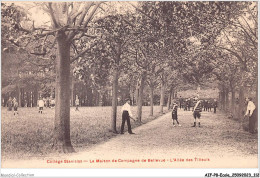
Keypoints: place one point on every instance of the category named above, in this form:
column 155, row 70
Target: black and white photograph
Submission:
column 129, row 84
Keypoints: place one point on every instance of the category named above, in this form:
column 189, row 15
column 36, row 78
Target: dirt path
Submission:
column 219, row 143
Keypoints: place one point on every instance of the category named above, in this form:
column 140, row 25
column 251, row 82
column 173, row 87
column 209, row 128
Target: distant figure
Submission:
column 215, row 105
column 181, row 102
column 77, row 103
column 15, row 104
column 209, row 106
column 186, row 105
column 52, row 102
column 196, row 111
column 41, row 105
column 189, row 104
column 175, row 115
column 252, row 114
column 206, row 105
column 126, row 114
column 9, row 104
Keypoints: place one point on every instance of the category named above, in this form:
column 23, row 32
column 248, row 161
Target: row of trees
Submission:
column 147, row 45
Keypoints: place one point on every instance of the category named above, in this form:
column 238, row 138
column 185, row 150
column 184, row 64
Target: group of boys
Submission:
column 197, row 109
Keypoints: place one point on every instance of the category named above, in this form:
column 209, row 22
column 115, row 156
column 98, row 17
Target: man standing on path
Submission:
column 196, row 111
column 250, row 112
column 126, row 114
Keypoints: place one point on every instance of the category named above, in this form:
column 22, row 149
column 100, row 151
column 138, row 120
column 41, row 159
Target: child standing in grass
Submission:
column 175, row 115
column 41, row 105
column 15, row 103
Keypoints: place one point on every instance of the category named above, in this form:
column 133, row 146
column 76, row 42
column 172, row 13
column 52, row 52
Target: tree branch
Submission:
column 83, row 52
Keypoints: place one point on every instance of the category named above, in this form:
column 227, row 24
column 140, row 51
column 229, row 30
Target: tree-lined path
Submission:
column 220, row 142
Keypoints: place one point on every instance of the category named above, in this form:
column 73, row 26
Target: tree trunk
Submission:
column 101, row 96
column 19, row 96
column 72, row 92
column 169, row 99
column 35, row 96
column 140, row 97
column 223, row 94
column 226, row 100
column 151, row 100
column 136, row 95
column 61, row 135
column 162, row 97
column 114, row 101
column 241, row 102
column 233, row 93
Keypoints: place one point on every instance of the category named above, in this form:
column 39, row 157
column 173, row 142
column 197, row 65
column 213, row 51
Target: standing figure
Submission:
column 40, row 105
column 252, row 114
column 209, row 106
column 189, row 104
column 15, row 104
column 185, row 105
column 175, row 115
column 9, row 104
column 77, row 103
column 196, row 111
column 215, row 105
column 126, row 114
column 180, row 102
column 47, row 102
column 52, row 102
column 206, row 105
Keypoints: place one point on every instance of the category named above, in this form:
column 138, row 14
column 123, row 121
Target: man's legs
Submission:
column 123, row 124
column 129, row 125
column 194, row 115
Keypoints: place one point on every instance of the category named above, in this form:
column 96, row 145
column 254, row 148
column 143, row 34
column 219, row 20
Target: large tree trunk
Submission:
column 169, row 99
column 162, row 97
column 114, row 101
column 151, row 100
column 140, row 98
column 61, row 134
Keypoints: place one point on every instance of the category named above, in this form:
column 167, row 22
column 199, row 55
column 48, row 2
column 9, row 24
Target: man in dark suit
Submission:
column 126, row 114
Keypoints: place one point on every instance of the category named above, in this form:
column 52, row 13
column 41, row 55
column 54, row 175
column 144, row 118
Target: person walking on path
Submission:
column 77, row 103
column 196, row 111
column 126, row 114
column 175, row 115
column 40, row 105
column 252, row 114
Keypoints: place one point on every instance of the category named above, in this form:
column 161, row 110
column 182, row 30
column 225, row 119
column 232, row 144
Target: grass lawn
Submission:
column 30, row 133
